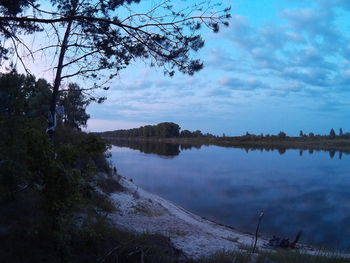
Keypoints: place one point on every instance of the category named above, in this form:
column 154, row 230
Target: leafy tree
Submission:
column 167, row 130
column 16, row 93
column 74, row 103
column 301, row 134
column 332, row 134
column 340, row 132
column 148, row 131
column 197, row 133
column 186, row 134
column 10, row 29
column 38, row 104
column 49, row 185
column 22, row 97
column 101, row 37
column 282, row 135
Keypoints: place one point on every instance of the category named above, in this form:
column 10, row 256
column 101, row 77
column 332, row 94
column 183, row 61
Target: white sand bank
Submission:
column 141, row 211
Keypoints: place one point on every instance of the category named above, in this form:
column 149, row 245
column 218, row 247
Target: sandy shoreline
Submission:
column 142, row 212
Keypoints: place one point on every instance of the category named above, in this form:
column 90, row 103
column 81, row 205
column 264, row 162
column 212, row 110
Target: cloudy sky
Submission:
column 281, row 65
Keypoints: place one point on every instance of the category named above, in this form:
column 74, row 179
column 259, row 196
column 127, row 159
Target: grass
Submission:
column 280, row 256
column 110, row 185
column 227, row 257
column 96, row 242
column 144, row 209
column 233, row 239
column 142, row 248
column 178, row 232
column 297, row 257
column 245, row 247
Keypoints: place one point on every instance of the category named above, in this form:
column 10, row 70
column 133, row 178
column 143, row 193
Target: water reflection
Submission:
column 229, row 186
column 174, row 149
column 165, row 149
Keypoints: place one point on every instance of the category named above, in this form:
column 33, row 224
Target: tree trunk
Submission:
column 57, row 82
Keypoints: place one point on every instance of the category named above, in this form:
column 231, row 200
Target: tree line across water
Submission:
column 169, row 132
column 173, row 130
column 282, row 135
column 161, row 130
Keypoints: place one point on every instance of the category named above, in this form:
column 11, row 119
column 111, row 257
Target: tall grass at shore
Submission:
column 279, row 256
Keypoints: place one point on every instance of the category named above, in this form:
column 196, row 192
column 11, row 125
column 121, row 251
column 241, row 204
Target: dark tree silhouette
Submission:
column 332, row 134
column 96, row 39
column 11, row 29
column 75, row 104
column 282, row 135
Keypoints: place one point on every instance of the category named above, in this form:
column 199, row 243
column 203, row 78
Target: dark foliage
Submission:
column 164, row 149
column 98, row 38
column 9, row 30
column 282, row 135
column 51, row 206
column 74, row 103
column 161, row 130
column 47, row 194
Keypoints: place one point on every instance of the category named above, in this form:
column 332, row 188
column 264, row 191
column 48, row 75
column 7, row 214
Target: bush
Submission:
column 44, row 187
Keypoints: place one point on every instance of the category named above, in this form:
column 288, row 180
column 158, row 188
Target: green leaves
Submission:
column 74, row 103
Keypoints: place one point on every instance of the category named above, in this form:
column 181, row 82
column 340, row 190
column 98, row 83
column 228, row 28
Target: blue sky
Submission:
column 281, row 65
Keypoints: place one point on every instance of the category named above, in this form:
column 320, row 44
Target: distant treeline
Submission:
column 161, row 130
column 282, row 135
column 169, row 132
column 173, row 130
column 170, row 147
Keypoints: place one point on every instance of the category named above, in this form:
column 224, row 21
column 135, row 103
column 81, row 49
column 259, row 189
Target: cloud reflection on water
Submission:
column 309, row 192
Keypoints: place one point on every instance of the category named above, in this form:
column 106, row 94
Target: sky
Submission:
column 281, row 65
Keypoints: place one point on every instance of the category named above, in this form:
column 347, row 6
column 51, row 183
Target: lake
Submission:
column 298, row 190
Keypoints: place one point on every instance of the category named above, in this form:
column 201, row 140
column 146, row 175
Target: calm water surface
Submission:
column 309, row 192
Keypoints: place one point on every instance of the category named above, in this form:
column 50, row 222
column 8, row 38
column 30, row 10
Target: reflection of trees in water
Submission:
column 165, row 149
column 189, row 146
column 282, row 150
column 173, row 149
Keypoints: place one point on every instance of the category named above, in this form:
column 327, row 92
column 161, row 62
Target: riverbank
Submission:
column 142, row 212
column 251, row 142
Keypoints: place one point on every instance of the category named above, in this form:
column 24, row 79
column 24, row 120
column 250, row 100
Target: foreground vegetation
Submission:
column 272, row 257
column 54, row 193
